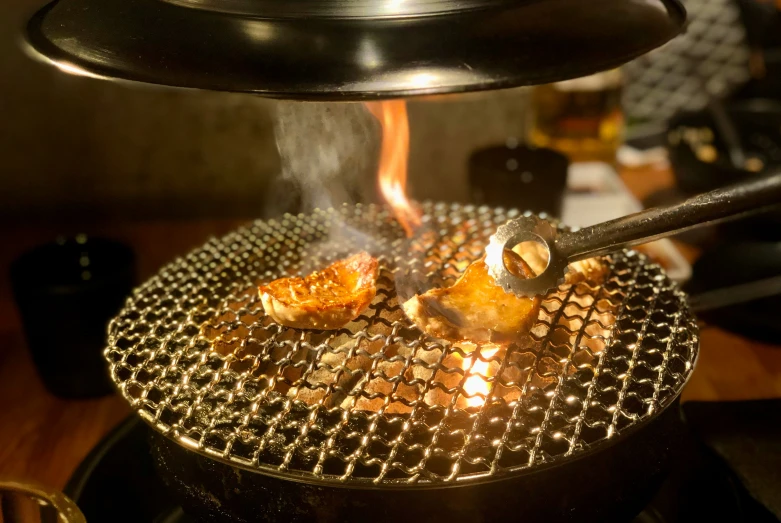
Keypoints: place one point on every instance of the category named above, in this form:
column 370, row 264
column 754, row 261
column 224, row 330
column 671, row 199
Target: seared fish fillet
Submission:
column 475, row 308
column 326, row 299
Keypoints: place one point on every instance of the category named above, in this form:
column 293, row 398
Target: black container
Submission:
column 735, row 263
column 66, row 293
column 116, row 482
column 519, row 177
column 610, row 482
column 758, row 122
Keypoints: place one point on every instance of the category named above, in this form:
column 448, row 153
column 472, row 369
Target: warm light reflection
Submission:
column 260, row 30
column 369, row 54
column 475, row 383
column 421, row 80
column 393, row 7
column 75, row 70
column 392, row 170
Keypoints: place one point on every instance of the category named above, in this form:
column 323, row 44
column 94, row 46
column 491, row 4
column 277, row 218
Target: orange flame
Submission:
column 475, row 382
column 392, row 171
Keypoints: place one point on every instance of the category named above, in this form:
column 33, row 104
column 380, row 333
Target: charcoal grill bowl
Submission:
column 612, row 482
column 228, row 424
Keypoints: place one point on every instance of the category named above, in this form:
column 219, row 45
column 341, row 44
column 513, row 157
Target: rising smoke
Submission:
column 328, row 153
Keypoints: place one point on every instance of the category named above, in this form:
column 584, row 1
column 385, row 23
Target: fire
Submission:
column 392, row 171
column 475, row 382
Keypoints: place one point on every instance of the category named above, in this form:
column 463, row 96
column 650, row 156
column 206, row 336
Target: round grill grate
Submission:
column 379, row 403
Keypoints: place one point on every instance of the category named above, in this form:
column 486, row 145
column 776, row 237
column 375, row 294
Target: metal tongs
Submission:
column 651, row 224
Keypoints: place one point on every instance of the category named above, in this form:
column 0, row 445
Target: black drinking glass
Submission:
column 519, row 177
column 67, row 292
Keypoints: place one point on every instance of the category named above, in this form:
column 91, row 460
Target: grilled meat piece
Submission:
column 475, row 308
column 326, row 299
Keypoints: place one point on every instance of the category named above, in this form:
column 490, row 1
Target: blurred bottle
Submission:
column 581, row 118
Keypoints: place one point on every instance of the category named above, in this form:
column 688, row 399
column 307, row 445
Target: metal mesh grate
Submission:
column 378, row 402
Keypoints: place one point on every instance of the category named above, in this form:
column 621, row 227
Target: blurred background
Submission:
column 77, row 148
column 159, row 171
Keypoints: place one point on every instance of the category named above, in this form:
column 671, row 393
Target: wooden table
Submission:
column 43, row 438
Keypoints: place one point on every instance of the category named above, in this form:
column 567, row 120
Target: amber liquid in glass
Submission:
column 581, row 118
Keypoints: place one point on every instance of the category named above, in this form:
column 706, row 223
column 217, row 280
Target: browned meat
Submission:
column 326, row 299
column 475, row 308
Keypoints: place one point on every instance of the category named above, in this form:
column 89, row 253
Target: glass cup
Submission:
column 66, row 293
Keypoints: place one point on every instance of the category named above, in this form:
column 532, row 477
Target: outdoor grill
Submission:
column 379, row 413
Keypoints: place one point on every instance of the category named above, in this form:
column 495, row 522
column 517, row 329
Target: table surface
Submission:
column 43, row 438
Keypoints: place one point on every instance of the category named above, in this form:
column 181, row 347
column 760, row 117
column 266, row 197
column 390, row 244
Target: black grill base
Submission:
column 117, row 482
column 609, row 484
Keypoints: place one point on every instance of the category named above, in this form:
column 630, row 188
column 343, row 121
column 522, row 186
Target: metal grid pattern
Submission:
column 711, row 55
column 379, row 403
